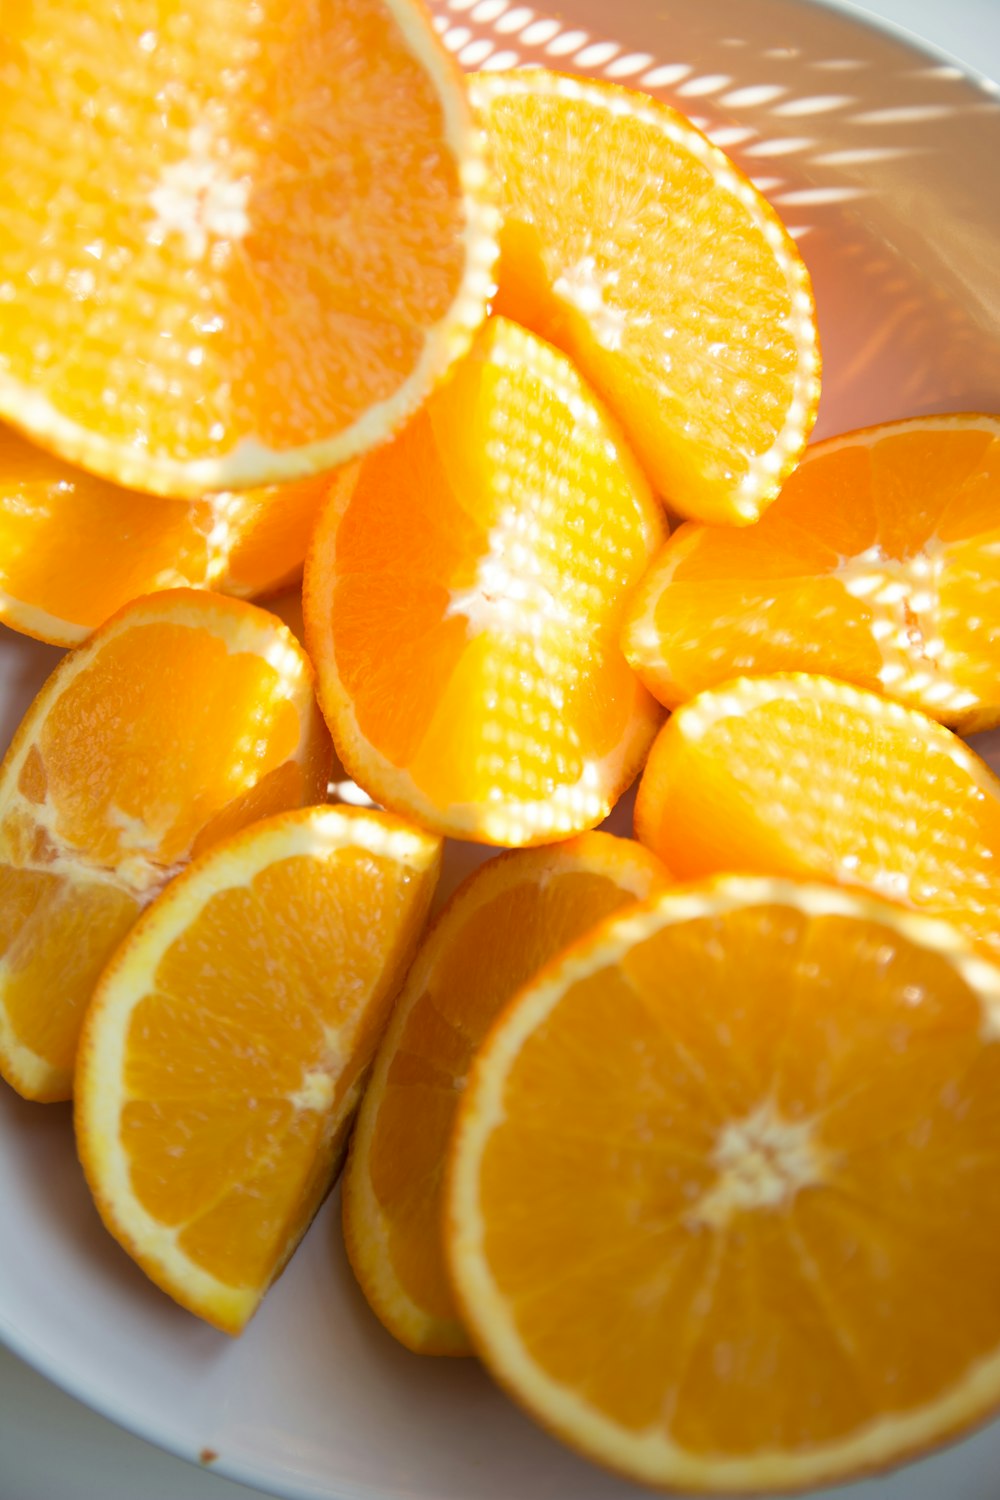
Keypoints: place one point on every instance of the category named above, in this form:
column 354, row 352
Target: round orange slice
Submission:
column 504, row 922
column 238, row 243
column 74, row 548
column 879, row 563
column 464, row 595
column 635, row 245
column 804, row 776
column 724, row 1192
column 184, row 718
column 228, row 1042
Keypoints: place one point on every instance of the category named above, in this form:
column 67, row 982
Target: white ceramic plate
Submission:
column 883, row 160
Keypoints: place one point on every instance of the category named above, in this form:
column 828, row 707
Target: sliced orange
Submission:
column 185, row 717
column 804, row 776
column 238, row 243
column 463, row 599
column 879, row 562
column 228, row 1043
column 74, row 549
column 634, row 244
column 504, row 922
column 724, row 1196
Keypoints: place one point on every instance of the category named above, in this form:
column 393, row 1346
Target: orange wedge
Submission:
column 464, row 596
column 238, row 243
column 185, row 717
column 504, row 922
column 228, row 1042
column 74, row 549
column 879, row 563
column 724, row 1194
column 635, row 245
column 809, row 777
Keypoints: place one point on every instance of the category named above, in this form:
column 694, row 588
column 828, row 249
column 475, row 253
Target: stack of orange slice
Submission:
column 186, row 717
column 706, row 1173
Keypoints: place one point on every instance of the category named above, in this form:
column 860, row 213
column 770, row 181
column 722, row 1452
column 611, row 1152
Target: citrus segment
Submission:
column 805, row 776
column 238, row 244
column 463, row 598
column 185, row 717
column 879, row 563
column 722, row 1197
column 228, row 1042
column 633, row 243
column 74, row 549
column 505, row 921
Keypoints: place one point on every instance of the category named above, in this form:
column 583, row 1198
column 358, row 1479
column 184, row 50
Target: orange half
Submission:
column 74, row 549
column 879, row 563
column 504, row 922
column 724, row 1192
column 229, row 1040
column 807, row 777
column 464, row 596
column 238, row 243
column 638, row 247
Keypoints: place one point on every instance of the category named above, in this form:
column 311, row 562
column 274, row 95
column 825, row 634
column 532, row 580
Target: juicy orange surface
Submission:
column 463, row 599
column 229, row 1040
column 723, row 1199
column 879, row 562
column 184, row 718
column 805, row 776
column 506, row 920
column 238, row 243
column 634, row 244
column 74, row 548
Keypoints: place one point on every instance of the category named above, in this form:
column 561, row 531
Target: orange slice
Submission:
column 228, row 1042
column 74, row 549
column 813, row 778
column 635, row 245
column 505, row 921
column 724, row 1196
column 463, row 599
column 238, row 243
column 879, row 563
column 185, row 717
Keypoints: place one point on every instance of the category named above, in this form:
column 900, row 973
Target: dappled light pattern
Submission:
column 463, row 601
column 852, row 144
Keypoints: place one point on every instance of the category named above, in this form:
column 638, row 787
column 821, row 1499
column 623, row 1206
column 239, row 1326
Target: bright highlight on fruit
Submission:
column 807, row 777
column 724, row 1194
column 464, row 597
column 228, row 1043
column 184, row 718
column 508, row 919
column 707, row 1174
column 635, row 245
column 238, row 243
column 878, row 563
column 75, row 549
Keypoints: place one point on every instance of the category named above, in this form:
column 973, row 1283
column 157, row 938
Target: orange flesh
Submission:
column 212, row 746
column 75, row 549
column 648, row 1276
column 504, row 924
column 55, row 938
column 464, row 598
column 834, row 787
column 169, row 737
column 175, row 157
column 878, row 563
column 216, row 1052
column 626, row 241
